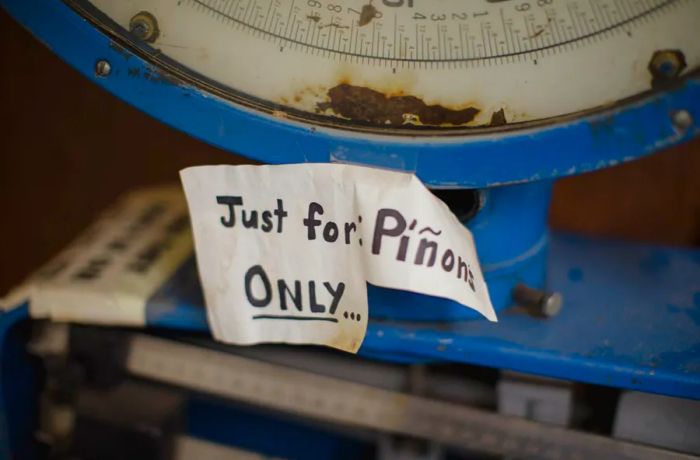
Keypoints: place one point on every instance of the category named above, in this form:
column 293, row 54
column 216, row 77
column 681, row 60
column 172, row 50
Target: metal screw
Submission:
column 666, row 65
column 144, row 26
column 538, row 302
column 682, row 120
column 103, row 68
column 140, row 30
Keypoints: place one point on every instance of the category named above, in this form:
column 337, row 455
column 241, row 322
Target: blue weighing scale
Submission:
column 487, row 102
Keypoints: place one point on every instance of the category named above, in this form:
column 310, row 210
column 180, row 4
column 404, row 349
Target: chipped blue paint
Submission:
column 585, row 144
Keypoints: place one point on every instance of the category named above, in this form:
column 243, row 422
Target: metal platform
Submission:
column 631, row 320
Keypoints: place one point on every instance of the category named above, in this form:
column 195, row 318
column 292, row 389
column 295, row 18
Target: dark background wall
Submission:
column 68, row 149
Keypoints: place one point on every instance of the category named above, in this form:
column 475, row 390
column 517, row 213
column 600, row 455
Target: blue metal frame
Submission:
column 631, row 320
column 570, row 147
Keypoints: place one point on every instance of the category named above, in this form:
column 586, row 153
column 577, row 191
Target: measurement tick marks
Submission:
column 432, row 33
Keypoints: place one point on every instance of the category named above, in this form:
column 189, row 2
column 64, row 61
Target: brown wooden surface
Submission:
column 68, row 149
column 655, row 199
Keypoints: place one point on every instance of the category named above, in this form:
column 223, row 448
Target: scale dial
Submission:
column 419, row 63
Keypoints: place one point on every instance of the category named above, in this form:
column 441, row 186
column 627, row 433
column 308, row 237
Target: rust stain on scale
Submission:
column 393, row 99
column 367, row 13
column 359, row 103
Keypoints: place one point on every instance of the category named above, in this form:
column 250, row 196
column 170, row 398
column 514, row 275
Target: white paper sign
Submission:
column 285, row 252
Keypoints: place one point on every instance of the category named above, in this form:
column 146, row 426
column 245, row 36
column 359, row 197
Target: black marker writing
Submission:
column 315, row 299
column 391, row 224
column 251, row 218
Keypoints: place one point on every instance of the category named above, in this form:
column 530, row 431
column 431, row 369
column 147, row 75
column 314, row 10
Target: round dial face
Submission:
column 422, row 63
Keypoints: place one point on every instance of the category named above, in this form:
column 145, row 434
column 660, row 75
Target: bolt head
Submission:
column 552, row 304
column 667, row 64
column 140, row 29
column 102, row 68
column 682, row 120
column 144, row 26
